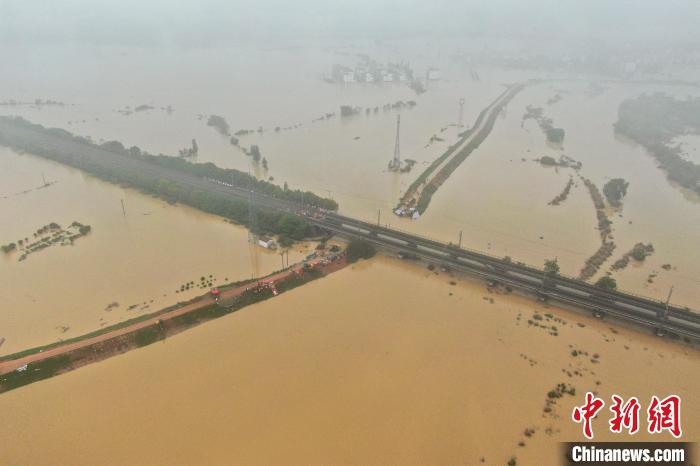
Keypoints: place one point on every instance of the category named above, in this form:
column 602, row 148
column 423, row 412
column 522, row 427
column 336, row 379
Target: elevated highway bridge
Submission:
column 637, row 310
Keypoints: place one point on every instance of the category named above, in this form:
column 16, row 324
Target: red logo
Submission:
column 587, row 412
column 665, row 415
column 662, row 415
column 626, row 415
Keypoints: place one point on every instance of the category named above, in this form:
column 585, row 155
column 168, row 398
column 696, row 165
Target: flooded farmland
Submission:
column 379, row 363
column 130, row 263
column 498, row 198
column 361, row 233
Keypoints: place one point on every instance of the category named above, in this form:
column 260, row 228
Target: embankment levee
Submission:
column 166, row 177
column 26, row 367
column 420, row 192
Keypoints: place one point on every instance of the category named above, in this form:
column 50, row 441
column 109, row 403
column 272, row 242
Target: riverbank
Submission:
column 44, row 362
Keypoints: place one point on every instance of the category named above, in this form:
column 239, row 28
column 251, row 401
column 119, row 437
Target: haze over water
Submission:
column 382, row 363
column 494, row 198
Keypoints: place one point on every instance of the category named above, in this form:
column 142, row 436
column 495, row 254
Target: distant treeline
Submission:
column 654, row 121
column 106, row 166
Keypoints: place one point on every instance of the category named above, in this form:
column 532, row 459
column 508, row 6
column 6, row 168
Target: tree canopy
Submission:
column 607, row 282
column 615, row 190
column 360, row 249
column 551, row 267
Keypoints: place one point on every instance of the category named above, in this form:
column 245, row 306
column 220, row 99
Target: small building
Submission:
column 433, row 74
column 267, row 242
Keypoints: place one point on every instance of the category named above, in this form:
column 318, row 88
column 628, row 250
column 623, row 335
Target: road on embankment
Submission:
column 418, row 193
column 8, row 364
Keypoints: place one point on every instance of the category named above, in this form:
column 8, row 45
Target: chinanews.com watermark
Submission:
column 660, row 415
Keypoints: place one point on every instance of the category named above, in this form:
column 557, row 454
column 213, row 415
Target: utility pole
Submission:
column 282, row 257
column 379, row 216
column 123, row 208
column 395, row 164
column 252, row 219
column 460, row 121
column 460, row 239
column 668, row 300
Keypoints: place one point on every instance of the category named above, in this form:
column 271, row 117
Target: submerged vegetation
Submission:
column 654, row 121
column 607, row 247
column 561, row 197
column 220, row 124
column 188, row 152
column 554, row 135
column 607, row 282
column 51, row 234
column 639, row 252
column 350, row 110
column 615, row 190
column 563, row 161
column 551, row 267
column 360, row 249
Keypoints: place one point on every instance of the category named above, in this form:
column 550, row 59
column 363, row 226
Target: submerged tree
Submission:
column 360, row 249
column 551, row 267
column 220, row 124
column 615, row 190
column 255, row 153
column 607, row 282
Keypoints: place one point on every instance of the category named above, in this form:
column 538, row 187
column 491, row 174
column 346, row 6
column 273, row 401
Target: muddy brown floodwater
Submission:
column 138, row 260
column 497, row 200
column 381, row 363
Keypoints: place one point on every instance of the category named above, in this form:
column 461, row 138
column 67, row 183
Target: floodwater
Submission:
column 498, row 201
column 689, row 144
column 138, row 259
column 501, row 201
column 381, row 363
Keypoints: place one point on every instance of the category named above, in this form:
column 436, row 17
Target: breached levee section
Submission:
column 36, row 364
column 418, row 195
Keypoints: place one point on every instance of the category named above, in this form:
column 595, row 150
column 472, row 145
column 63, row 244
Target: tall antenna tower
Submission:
column 395, row 164
column 252, row 229
column 252, row 218
column 460, row 121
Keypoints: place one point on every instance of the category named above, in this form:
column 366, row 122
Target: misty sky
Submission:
column 202, row 22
